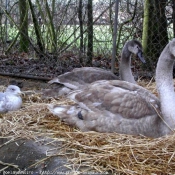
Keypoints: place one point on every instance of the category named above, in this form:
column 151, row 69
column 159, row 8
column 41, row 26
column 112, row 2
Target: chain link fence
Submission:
column 65, row 34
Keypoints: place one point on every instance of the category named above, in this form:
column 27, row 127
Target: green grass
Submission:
column 102, row 36
column 102, row 43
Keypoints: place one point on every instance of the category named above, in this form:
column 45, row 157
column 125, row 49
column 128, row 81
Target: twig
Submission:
column 8, row 164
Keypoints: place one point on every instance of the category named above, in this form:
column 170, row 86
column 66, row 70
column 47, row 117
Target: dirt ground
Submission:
column 28, row 84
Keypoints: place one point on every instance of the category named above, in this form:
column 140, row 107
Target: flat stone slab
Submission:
column 29, row 157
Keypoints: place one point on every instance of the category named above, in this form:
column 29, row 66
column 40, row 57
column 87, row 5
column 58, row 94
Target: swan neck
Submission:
column 165, row 86
column 125, row 66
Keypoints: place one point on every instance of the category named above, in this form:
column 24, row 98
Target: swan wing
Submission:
column 117, row 97
column 112, row 106
column 79, row 77
column 3, row 101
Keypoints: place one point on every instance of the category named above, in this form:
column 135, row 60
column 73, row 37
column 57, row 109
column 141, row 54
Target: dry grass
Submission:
column 104, row 152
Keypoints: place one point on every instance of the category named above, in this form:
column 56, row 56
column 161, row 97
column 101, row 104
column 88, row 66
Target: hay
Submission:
column 100, row 152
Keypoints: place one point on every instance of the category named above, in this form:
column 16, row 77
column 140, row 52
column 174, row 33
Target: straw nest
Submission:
column 104, row 152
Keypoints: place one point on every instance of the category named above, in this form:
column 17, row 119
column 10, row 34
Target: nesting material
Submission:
column 150, row 85
column 106, row 153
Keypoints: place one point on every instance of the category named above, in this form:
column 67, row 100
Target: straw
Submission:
column 104, row 153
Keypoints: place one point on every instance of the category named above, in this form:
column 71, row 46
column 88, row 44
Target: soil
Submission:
column 26, row 84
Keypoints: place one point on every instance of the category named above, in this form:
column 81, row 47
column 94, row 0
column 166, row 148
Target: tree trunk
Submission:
column 24, row 40
column 51, row 25
column 80, row 17
column 173, row 16
column 162, row 24
column 114, row 36
column 90, row 34
column 155, row 35
column 37, row 29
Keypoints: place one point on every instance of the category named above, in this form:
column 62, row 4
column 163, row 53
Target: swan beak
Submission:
column 21, row 93
column 54, row 80
column 140, row 55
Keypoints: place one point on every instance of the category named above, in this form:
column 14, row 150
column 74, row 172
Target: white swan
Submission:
column 10, row 100
column 79, row 77
column 122, row 107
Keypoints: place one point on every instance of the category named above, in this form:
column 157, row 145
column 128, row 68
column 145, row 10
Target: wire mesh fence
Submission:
column 70, row 33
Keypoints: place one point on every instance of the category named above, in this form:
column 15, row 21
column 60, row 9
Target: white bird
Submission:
column 123, row 107
column 10, row 100
column 80, row 77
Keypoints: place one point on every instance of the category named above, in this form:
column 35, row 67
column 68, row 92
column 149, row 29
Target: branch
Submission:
column 86, row 29
column 126, row 22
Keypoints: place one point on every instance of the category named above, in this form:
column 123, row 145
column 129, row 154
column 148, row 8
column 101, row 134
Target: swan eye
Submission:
column 80, row 115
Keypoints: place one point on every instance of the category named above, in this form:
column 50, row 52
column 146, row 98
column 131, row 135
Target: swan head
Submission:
column 135, row 47
column 13, row 89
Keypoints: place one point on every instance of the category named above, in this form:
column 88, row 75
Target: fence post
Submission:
column 114, row 36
